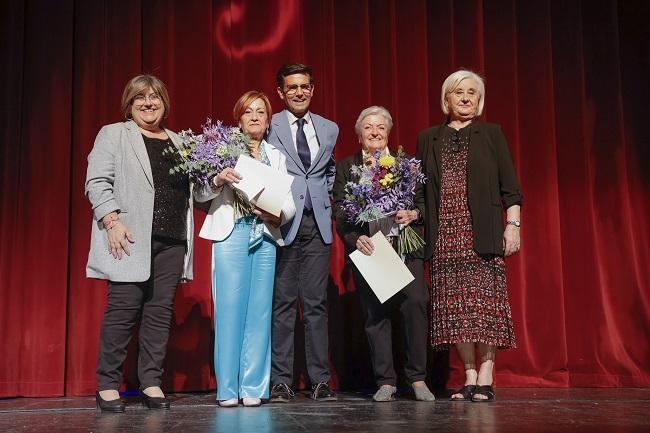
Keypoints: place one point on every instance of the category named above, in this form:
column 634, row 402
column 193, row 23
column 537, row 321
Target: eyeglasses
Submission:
column 142, row 99
column 293, row 88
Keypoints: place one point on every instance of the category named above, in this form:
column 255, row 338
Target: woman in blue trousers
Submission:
column 243, row 266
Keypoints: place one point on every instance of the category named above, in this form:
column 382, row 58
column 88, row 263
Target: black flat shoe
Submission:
column 155, row 402
column 115, row 406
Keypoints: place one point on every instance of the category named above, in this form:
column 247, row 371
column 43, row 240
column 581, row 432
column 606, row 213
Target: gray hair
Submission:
column 373, row 109
column 454, row 80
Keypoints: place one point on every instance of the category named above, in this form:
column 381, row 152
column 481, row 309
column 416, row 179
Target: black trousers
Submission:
column 412, row 302
column 302, row 273
column 152, row 302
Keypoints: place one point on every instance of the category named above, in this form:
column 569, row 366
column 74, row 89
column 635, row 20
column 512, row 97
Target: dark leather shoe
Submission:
column 115, row 406
column 322, row 392
column 155, row 402
column 281, row 393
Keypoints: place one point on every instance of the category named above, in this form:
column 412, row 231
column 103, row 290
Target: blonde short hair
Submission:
column 137, row 85
column 454, row 80
column 373, row 109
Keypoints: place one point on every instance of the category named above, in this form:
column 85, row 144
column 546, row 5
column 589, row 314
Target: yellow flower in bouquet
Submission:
column 222, row 151
column 388, row 179
column 386, row 161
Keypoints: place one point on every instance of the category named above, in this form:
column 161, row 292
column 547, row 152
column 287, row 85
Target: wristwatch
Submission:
column 515, row 223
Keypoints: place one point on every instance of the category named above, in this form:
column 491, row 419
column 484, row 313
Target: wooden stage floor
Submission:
column 584, row 410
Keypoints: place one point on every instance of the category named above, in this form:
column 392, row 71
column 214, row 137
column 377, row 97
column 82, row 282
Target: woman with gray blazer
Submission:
column 141, row 240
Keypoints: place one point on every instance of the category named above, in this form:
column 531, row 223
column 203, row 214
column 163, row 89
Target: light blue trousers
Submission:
column 242, row 290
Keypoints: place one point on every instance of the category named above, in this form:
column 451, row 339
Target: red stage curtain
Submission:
column 566, row 80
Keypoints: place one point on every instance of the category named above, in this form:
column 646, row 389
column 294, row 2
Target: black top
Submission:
column 172, row 192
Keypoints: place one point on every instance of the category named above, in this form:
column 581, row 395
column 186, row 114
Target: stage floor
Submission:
column 585, row 410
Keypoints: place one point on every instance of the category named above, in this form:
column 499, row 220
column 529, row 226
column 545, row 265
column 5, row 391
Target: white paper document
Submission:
column 384, row 271
column 265, row 186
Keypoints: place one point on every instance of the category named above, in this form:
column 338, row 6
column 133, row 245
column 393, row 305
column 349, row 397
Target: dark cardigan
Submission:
column 492, row 184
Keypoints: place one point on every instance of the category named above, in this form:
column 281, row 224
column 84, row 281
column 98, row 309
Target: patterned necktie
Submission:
column 304, row 154
column 302, row 146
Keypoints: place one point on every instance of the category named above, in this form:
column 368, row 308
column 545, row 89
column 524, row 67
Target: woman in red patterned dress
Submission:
column 471, row 180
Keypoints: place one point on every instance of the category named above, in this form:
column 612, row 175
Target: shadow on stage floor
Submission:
column 516, row 410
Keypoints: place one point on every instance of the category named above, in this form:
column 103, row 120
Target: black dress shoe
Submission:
column 281, row 393
column 115, row 406
column 155, row 402
column 322, row 392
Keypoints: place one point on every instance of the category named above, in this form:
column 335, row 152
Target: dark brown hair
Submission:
column 291, row 69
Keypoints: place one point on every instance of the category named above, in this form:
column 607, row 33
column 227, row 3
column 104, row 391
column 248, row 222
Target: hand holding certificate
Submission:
column 383, row 270
column 265, row 187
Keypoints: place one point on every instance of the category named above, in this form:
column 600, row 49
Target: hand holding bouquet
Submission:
column 205, row 155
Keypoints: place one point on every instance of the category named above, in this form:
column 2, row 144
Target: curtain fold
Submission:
column 566, row 81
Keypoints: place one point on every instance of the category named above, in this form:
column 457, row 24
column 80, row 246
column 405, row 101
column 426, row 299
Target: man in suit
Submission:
column 302, row 270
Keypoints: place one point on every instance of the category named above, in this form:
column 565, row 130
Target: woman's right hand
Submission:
column 227, row 175
column 365, row 245
column 119, row 236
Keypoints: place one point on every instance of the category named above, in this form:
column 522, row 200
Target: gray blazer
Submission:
column 119, row 179
column 319, row 177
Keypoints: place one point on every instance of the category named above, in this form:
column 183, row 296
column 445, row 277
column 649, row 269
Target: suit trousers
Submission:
column 242, row 290
column 152, row 302
column 301, row 274
column 412, row 303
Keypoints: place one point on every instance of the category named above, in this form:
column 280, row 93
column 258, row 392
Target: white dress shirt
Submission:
column 308, row 129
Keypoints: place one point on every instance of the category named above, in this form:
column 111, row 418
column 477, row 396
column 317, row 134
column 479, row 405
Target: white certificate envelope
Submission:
column 384, row 271
column 264, row 185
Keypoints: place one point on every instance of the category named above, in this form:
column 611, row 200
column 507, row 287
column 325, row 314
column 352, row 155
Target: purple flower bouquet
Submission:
column 205, row 155
column 386, row 185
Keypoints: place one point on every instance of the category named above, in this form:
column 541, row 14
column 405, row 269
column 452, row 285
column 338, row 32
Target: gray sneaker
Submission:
column 385, row 393
column 422, row 393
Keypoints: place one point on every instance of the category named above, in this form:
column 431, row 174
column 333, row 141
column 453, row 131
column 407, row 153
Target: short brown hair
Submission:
column 291, row 69
column 137, row 85
column 247, row 99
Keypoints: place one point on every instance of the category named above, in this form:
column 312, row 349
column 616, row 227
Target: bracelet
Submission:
column 111, row 224
column 515, row 223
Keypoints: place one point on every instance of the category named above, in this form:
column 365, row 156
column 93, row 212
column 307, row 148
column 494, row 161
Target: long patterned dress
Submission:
column 469, row 300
